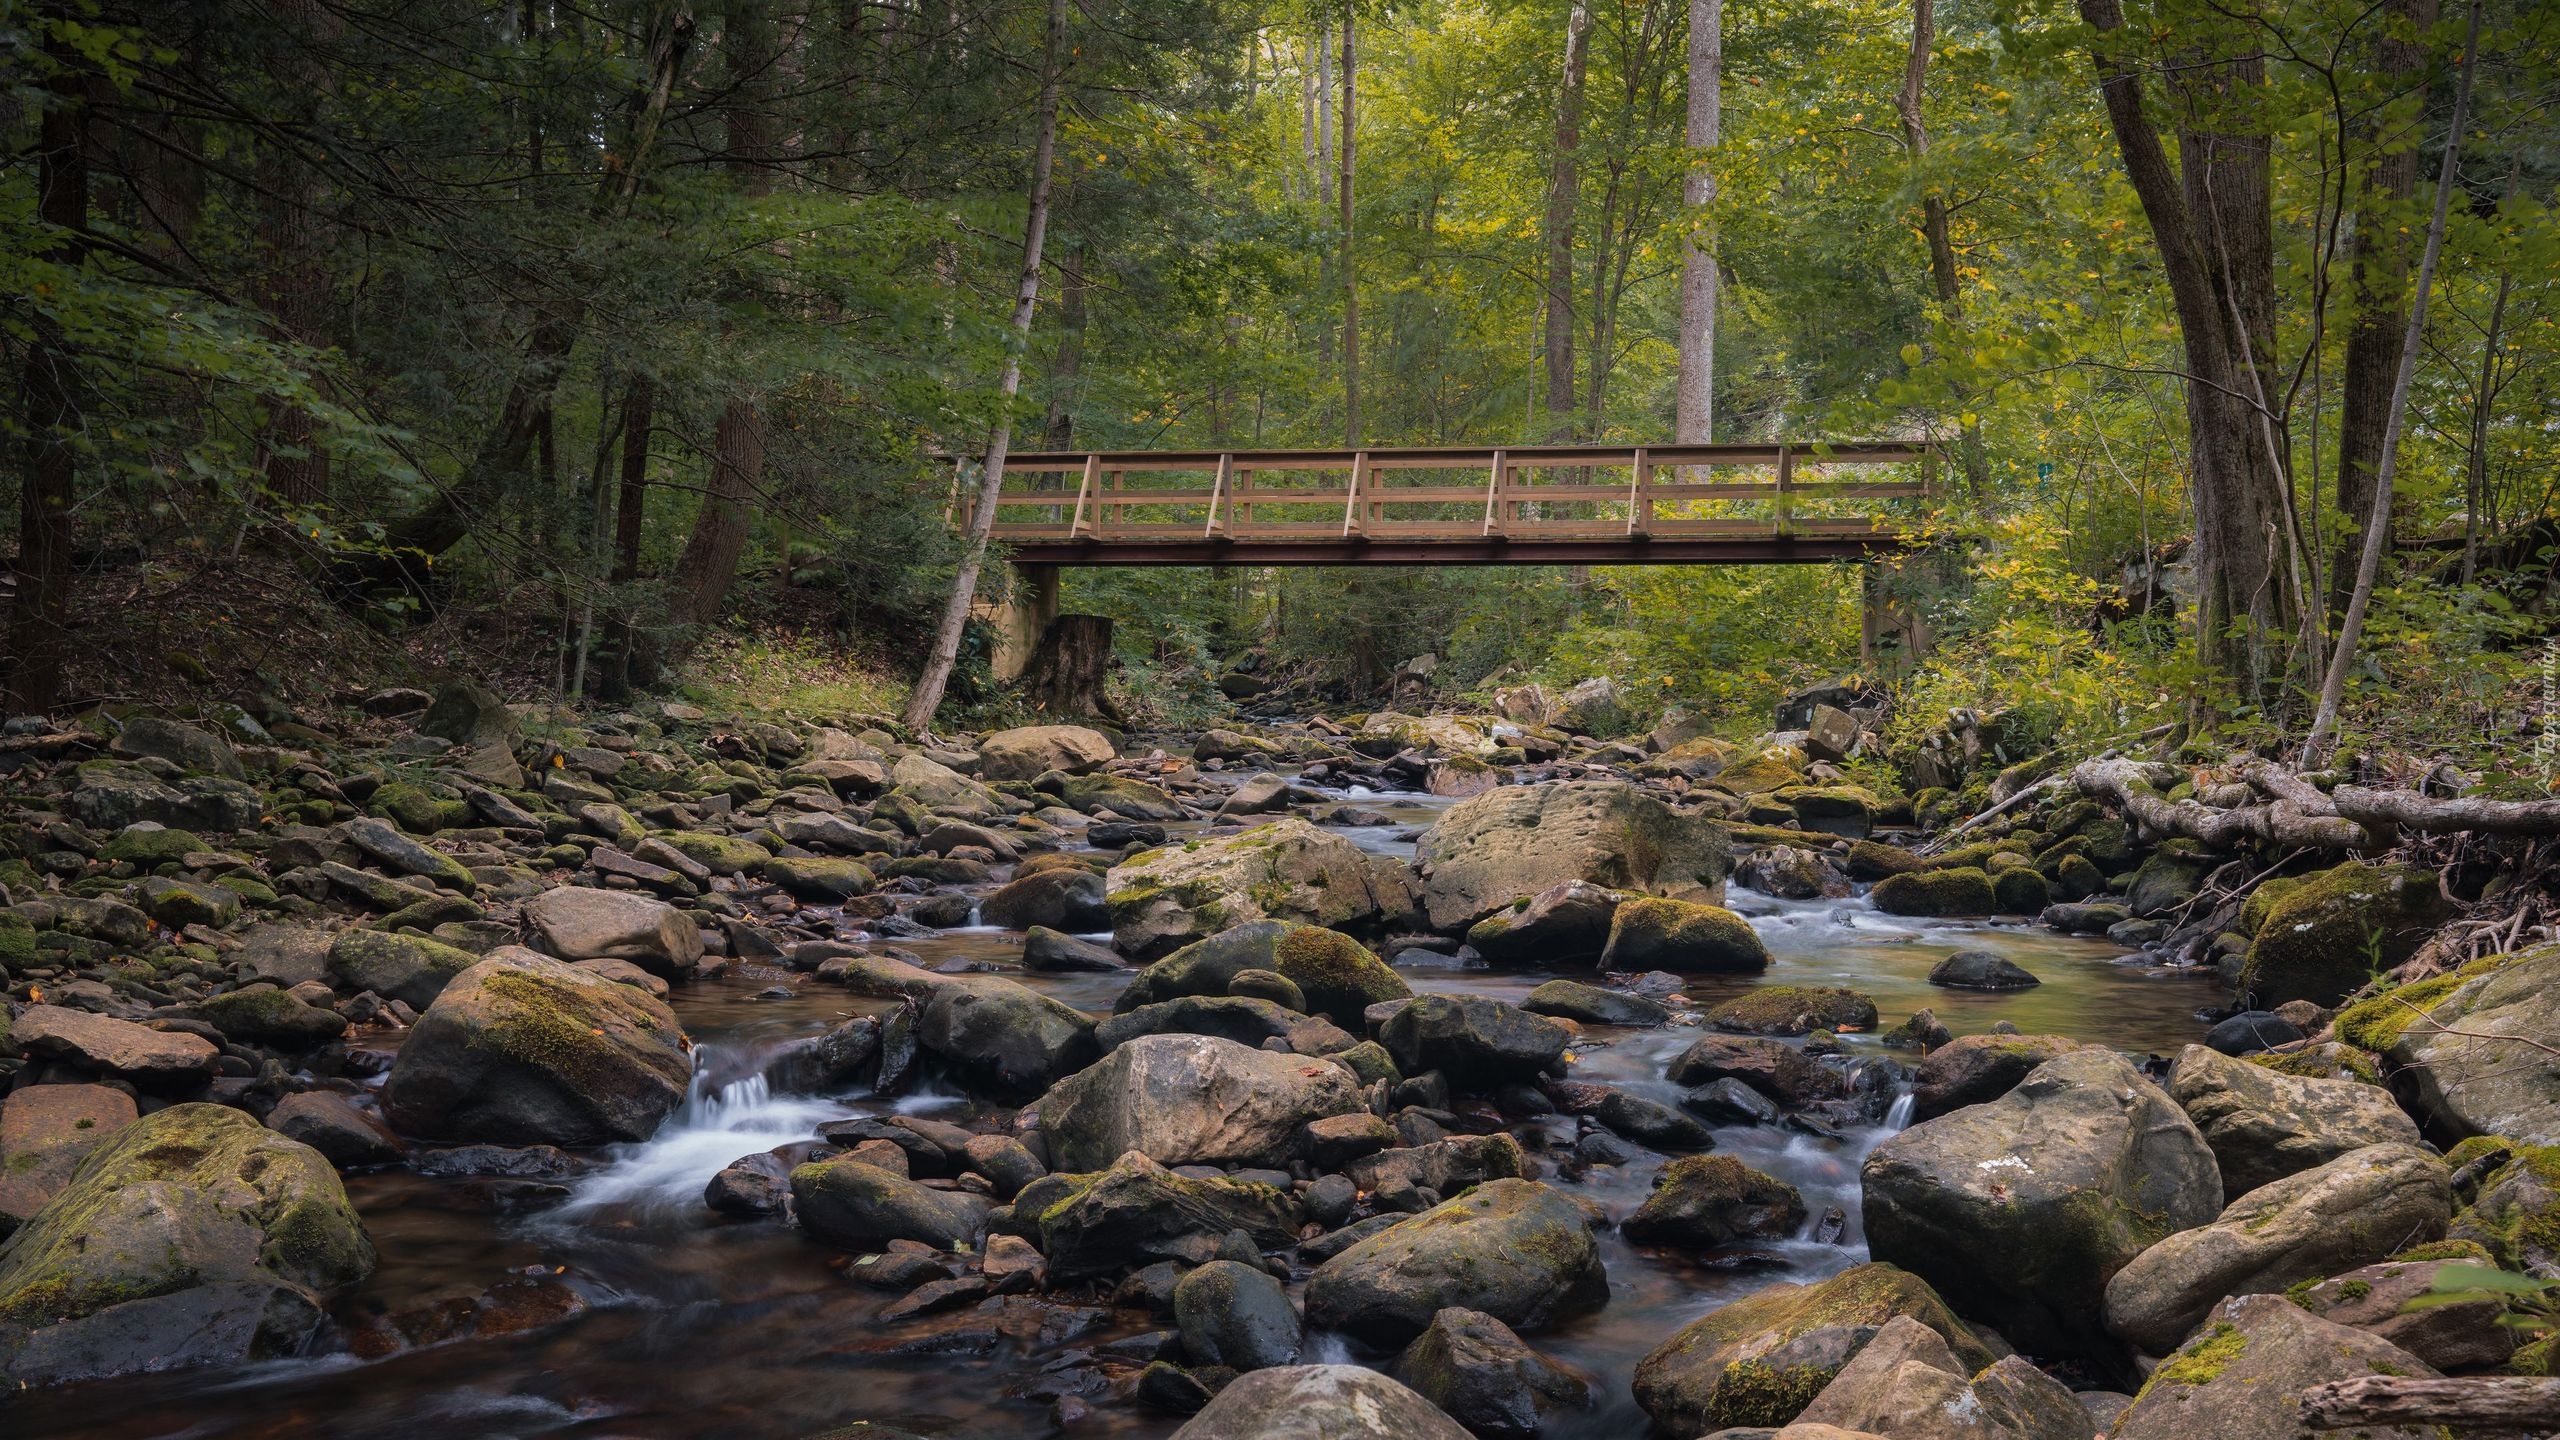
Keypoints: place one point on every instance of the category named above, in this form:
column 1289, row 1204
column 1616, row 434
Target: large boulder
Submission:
column 1761, row 1359
column 2322, row 939
column 467, row 712
column 2469, row 1335
column 1782, row 1072
column 1703, row 1201
column 193, row 1236
column 939, row 788
column 1477, row 1041
column 1137, row 1211
column 1565, row 923
column 1974, row 1068
column 1319, row 1402
column 1034, row 750
column 186, row 746
column 1509, row 844
column 1486, row 1378
column 2264, row 1125
column 2472, row 1086
column 575, row 922
column 1338, row 975
column 2241, row 1375
column 45, row 1132
column 994, row 1034
column 411, row 969
column 523, row 1050
column 2021, row 1210
column 1063, row 898
column 1192, row 1100
column 1908, row 1384
column 1237, row 1315
column 1514, row 1249
column 2515, row 1216
column 1171, row 896
column 861, row 1206
column 166, row 1060
column 2354, row 1210
column 1682, row 936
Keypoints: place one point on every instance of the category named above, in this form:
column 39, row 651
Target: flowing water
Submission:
column 696, row 1326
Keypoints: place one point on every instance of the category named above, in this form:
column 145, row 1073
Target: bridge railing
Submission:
column 1460, row 493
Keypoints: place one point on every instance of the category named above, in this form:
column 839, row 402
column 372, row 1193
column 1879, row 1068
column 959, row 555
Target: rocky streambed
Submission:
column 1022, row 1094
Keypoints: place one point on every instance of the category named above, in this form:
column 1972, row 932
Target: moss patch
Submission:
column 1962, row 890
column 2322, row 939
column 2201, row 1360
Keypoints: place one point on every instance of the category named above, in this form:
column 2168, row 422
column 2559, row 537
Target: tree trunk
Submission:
column 1694, row 407
column 927, row 697
column 1943, row 280
column 1066, row 369
column 295, row 288
column 2377, row 535
column 2215, row 263
column 1564, row 198
column 40, row 610
column 1350, row 273
column 1066, row 671
column 2475, row 468
column 2379, row 278
column 2503, row 1403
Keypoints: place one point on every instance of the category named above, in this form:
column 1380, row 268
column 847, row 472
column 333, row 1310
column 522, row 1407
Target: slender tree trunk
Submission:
column 631, row 498
column 1564, row 198
column 1307, row 122
column 1943, row 280
column 2377, row 534
column 1694, row 408
column 296, row 283
column 40, row 612
column 2475, row 469
column 1066, row 369
column 1322, row 44
column 1350, row 272
column 927, row 697
column 2235, row 489
column 2379, row 278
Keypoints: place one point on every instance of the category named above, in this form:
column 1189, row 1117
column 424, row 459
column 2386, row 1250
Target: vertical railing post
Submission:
column 1082, row 528
column 1493, row 493
column 1786, row 512
column 1217, row 525
column 1640, row 496
column 1353, row 501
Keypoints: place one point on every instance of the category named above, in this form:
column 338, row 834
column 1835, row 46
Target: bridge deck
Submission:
column 1532, row 505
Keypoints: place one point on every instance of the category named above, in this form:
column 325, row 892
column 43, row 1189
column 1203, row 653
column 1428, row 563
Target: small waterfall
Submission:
column 721, row 1120
column 1898, row 1118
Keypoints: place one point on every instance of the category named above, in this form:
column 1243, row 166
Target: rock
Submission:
column 2354, row 1210
column 402, row 855
column 2322, row 939
column 1318, row 1402
column 1235, row 1315
column 577, row 923
column 1175, row 895
column 164, row 1060
column 2264, row 1125
column 1650, row 1123
column 1981, row 970
column 1446, row 1166
column 1564, row 924
column 1762, row 1358
column 2021, row 1209
column 750, row 1187
column 268, row 1016
column 1339, row 976
column 1486, row 1378
column 1593, row 1005
column 1129, row 799
column 45, row 1132
column 1703, row 1201
column 1512, row 843
column 1975, row 1069
column 1268, row 985
column 194, row 1236
column 2168, row 879
column 327, row 1122
column 1907, row 1384
column 1730, row 1102
column 1682, row 937
column 185, row 746
column 1259, row 795
column 1960, row 890
column 1006, row 1163
column 2376, row 1299
column 285, row 954
column 523, row 1050
column 939, row 788
column 820, row 879
column 1033, row 750
column 1515, row 1249
column 1061, row 899
column 1780, row 1071
column 1794, row 1010
column 2241, row 1376
column 1137, row 1210
column 1789, row 873
column 861, row 1206
column 1189, row 1100
column 411, row 969
column 467, row 712
column 2473, row 1087
column 2515, row 1216
column 1830, row 733
column 2252, row 1031
column 179, row 904
column 1044, row 949
column 1248, row 1022
column 1477, row 1042
column 995, row 1034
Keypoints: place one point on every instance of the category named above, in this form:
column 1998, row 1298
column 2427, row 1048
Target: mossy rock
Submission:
column 1794, row 1010
column 1676, row 935
column 2323, row 939
column 411, row 969
column 826, row 881
column 2253, row 913
column 1338, row 975
column 720, row 854
column 417, row 809
column 2020, row 892
column 1963, row 890
column 265, row 1015
column 18, row 944
column 534, row 1051
column 2516, row 1216
column 147, row 848
column 182, row 903
column 1875, row 860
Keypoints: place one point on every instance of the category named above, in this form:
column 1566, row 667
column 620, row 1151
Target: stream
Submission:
column 698, row 1326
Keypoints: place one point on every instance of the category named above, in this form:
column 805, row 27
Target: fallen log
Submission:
column 2134, row 787
column 2412, row 811
column 2497, row 1400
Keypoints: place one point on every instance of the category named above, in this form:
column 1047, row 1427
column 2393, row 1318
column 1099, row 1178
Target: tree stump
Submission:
column 1065, row 675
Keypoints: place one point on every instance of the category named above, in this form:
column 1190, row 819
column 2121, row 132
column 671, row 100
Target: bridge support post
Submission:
column 1021, row 617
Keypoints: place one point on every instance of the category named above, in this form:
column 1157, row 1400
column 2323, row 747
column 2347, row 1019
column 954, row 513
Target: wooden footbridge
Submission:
column 1466, row 505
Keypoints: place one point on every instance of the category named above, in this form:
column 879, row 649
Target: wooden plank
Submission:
column 1351, row 500
column 1785, row 514
column 1493, row 501
column 1640, row 495
column 1085, row 515
column 1217, row 525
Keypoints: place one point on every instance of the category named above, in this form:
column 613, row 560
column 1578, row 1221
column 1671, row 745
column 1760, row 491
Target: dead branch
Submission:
column 2410, row 810
column 2135, row 788
column 2496, row 1400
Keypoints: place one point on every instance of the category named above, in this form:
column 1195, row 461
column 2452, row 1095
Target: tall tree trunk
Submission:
column 2379, row 276
column 631, row 498
column 1066, row 368
column 411, row 546
column 2377, row 534
column 2475, row 469
column 1564, row 198
column 1693, row 420
column 40, row 611
column 1350, row 272
column 709, row 565
column 927, row 697
column 295, row 282
column 1933, row 220
column 2210, row 259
